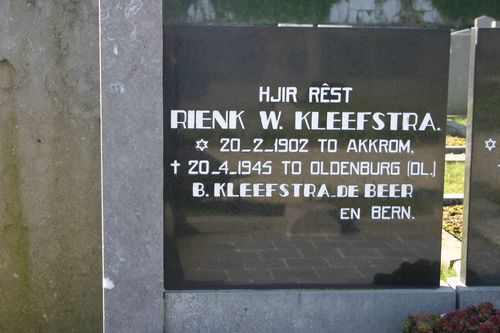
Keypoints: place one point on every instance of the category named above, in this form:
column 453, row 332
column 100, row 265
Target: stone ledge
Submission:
column 301, row 310
column 474, row 295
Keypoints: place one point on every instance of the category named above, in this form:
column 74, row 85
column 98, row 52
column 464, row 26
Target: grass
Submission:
column 461, row 120
column 454, row 173
column 446, row 273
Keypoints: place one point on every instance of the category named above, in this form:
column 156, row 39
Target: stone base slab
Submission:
column 475, row 295
column 300, row 310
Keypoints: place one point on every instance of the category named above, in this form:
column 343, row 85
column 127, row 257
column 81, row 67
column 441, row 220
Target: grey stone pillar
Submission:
column 458, row 80
column 132, row 164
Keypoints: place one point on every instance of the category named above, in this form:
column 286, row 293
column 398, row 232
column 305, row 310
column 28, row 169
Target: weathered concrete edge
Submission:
column 300, row 310
column 132, row 165
column 474, row 295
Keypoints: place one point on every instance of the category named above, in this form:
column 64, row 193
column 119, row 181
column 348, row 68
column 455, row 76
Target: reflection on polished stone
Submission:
column 341, row 12
column 323, row 165
column 270, row 260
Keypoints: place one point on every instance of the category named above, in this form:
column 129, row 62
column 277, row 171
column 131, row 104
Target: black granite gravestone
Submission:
column 483, row 211
column 303, row 157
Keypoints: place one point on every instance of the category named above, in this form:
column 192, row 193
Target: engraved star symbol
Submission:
column 201, row 145
column 490, row 144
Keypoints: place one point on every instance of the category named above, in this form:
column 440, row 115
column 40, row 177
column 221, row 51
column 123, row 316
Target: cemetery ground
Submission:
column 454, row 184
column 453, row 213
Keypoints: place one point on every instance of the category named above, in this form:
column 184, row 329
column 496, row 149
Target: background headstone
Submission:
column 485, row 22
column 458, row 81
column 482, row 234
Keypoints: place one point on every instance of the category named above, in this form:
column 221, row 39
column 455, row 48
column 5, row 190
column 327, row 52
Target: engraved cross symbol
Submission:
column 175, row 165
